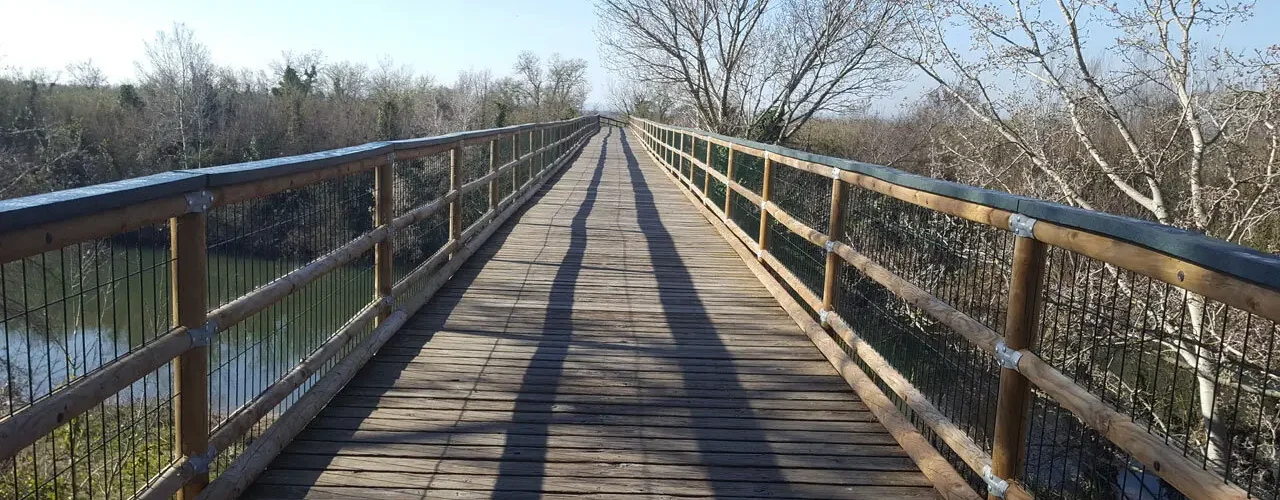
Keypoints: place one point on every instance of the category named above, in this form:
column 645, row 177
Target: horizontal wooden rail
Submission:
column 43, row 416
column 1170, row 464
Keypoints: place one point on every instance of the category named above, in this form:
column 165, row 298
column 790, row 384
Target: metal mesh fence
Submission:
column 67, row 313
column 1194, row 371
column 255, row 242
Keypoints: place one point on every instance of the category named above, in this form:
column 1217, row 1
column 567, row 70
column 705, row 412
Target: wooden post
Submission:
column 706, row 172
column 383, row 212
column 515, row 169
column 1008, row 456
column 191, row 368
column 763, row 238
column 455, row 206
column 835, row 229
column 493, row 167
column 728, row 189
column 680, row 160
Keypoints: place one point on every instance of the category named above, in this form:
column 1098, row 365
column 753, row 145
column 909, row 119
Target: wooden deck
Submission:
column 606, row 343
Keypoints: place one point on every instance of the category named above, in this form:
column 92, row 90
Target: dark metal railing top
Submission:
column 37, row 209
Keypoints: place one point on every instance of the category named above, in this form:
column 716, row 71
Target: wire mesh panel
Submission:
column 1195, row 371
column 720, row 163
column 66, row 314
column 806, row 197
column 963, row 263
column 506, row 154
column 419, row 183
column 255, row 242
column 473, row 163
column 748, row 172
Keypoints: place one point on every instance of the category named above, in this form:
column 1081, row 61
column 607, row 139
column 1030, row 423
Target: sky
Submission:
column 436, row 37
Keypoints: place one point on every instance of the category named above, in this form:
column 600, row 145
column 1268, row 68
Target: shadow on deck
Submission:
column 606, row 343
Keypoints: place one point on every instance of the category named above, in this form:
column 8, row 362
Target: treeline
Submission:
column 72, row 128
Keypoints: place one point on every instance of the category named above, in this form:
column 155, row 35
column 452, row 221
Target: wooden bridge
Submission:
column 595, row 308
column 579, row 352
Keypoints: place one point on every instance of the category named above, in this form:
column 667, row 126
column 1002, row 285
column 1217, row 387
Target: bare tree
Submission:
column 639, row 99
column 1164, row 131
column 529, row 74
column 177, row 72
column 749, row 67
column 86, row 74
column 566, row 86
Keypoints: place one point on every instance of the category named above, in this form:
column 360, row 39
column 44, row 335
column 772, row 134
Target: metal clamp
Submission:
column 391, row 157
column 200, row 462
column 203, row 336
column 199, row 201
column 995, row 486
column 389, row 301
column 835, row 173
column 1022, row 226
column 830, row 246
column 1008, row 358
column 822, row 316
column 759, row 253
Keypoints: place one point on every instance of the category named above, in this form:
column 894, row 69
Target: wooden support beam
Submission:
column 762, row 242
column 1008, row 456
column 191, row 369
column 706, row 169
column 515, row 157
column 681, row 160
column 383, row 214
column 493, row 170
column 728, row 190
column 455, row 207
column 835, row 228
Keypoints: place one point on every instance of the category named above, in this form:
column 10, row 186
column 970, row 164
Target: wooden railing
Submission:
column 1117, row 285
column 50, row 444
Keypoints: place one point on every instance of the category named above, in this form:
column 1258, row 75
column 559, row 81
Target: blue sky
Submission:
column 437, row 37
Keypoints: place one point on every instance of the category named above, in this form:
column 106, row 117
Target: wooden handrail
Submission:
column 1162, row 459
column 187, row 343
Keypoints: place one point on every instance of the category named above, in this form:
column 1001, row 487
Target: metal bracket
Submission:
column 1007, row 357
column 830, row 246
column 203, row 336
column 822, row 316
column 199, row 201
column 200, row 462
column 389, row 301
column 1022, row 226
column 759, row 253
column 391, row 157
column 835, row 173
column 995, row 486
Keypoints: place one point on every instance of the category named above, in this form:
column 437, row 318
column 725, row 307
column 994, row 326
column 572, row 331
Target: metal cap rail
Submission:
column 32, row 226
column 1240, row 281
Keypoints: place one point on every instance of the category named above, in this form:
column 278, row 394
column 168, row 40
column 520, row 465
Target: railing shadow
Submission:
column 676, row 292
column 529, row 473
